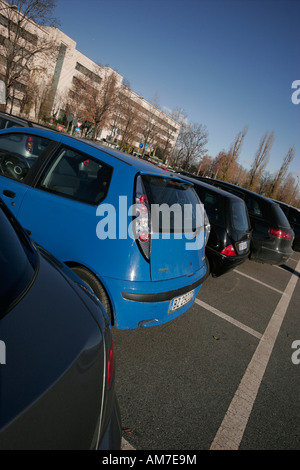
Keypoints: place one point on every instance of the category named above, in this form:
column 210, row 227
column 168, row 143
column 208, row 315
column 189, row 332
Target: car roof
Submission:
column 244, row 190
column 139, row 164
column 17, row 119
column 212, row 188
column 285, row 204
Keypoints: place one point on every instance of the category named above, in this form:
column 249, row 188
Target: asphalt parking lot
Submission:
column 220, row 376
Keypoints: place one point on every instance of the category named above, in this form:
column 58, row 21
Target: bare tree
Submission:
column 230, row 162
column 218, row 164
column 190, row 145
column 95, row 100
column 19, row 43
column 264, row 183
column 59, row 102
column 126, row 120
column 148, row 130
column 288, row 189
column 260, row 161
column 205, row 166
column 279, row 177
column 38, row 11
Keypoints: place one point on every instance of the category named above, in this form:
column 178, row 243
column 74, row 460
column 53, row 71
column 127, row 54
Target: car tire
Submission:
column 96, row 287
column 207, row 266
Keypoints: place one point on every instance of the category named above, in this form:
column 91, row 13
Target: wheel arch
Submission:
column 73, row 264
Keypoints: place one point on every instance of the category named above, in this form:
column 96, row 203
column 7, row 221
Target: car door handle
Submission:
column 8, row 193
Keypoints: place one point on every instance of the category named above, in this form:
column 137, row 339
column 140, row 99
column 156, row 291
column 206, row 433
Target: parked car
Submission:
column 9, row 120
column 57, row 368
column 230, row 231
column 272, row 235
column 92, row 207
column 293, row 216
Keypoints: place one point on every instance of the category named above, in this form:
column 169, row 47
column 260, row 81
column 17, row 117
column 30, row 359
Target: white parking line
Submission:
column 125, row 445
column 233, row 426
column 259, row 282
column 228, row 318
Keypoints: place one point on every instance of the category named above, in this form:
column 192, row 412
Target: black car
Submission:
column 272, row 235
column 293, row 216
column 228, row 244
column 56, row 355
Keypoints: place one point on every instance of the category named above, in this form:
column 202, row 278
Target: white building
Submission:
column 68, row 63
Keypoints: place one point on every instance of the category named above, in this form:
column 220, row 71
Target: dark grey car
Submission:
column 272, row 235
column 57, row 365
column 293, row 216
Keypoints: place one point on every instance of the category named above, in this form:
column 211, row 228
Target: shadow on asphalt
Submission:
column 291, row 270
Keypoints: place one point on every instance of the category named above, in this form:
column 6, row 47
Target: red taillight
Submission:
column 110, row 364
column 229, row 251
column 144, row 236
column 280, row 234
column 142, row 218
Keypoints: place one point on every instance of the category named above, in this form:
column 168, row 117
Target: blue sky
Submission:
column 226, row 63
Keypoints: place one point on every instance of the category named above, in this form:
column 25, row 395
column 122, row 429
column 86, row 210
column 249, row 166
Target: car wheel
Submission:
column 96, row 287
column 207, row 266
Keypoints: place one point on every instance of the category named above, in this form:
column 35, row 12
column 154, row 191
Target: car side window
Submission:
column 295, row 216
column 77, row 176
column 254, row 208
column 18, row 152
column 213, row 204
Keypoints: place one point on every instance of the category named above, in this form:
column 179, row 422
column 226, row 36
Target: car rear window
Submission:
column 239, row 216
column 18, row 261
column 279, row 217
column 180, row 201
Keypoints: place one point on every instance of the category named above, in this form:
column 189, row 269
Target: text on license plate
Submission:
column 179, row 302
column 243, row 246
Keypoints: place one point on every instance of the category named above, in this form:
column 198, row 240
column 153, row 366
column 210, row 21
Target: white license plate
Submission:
column 179, row 302
column 243, row 246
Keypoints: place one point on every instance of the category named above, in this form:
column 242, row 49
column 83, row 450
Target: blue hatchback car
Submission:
column 134, row 233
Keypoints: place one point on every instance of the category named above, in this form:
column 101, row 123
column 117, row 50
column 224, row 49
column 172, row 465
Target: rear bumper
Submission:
column 220, row 264
column 271, row 256
column 148, row 303
column 113, row 433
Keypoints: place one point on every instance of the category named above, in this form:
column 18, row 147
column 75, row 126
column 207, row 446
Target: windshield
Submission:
column 18, row 261
column 239, row 217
